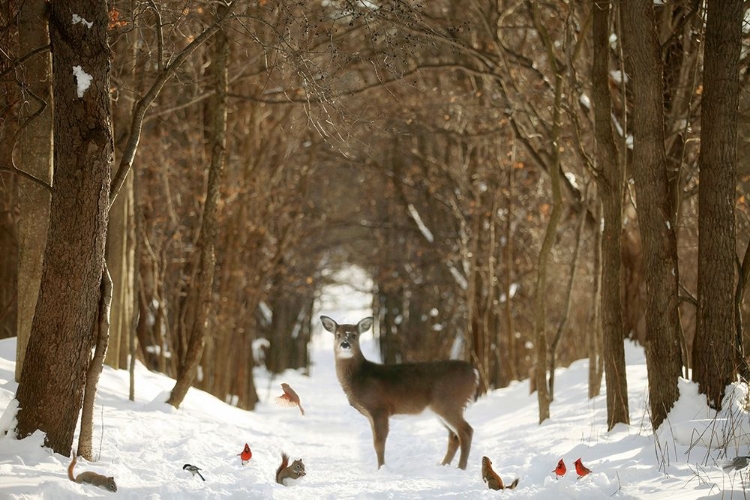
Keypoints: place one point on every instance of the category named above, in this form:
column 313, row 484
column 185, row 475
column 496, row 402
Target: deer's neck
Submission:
column 350, row 369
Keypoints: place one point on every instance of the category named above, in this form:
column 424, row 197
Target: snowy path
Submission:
column 145, row 443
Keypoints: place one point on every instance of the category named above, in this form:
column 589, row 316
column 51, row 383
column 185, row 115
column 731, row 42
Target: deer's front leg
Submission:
column 379, row 423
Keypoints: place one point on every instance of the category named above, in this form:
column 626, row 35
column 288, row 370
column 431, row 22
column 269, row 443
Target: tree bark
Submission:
column 655, row 208
column 511, row 357
column 594, row 331
column 50, row 391
column 714, row 346
column 610, row 181
column 202, row 287
column 121, row 260
column 35, row 159
column 540, row 313
column 101, row 327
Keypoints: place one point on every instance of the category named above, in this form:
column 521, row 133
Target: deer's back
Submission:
column 409, row 388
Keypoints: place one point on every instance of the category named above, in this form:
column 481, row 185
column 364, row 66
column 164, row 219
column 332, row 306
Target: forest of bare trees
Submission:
column 527, row 184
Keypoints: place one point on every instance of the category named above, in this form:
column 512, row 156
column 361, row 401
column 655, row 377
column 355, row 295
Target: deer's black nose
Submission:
column 345, row 345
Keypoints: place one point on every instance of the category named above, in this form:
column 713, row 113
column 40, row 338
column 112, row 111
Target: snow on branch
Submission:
column 420, row 224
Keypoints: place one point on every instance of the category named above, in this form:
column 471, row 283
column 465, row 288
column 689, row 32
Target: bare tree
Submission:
column 609, row 177
column 714, row 348
column 540, row 330
column 35, row 159
column 101, row 333
column 656, row 214
column 50, row 390
column 201, row 286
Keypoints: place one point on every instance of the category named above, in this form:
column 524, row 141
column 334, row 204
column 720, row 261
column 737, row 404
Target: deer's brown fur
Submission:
column 379, row 391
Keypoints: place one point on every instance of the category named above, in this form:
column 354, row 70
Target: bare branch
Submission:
column 144, row 102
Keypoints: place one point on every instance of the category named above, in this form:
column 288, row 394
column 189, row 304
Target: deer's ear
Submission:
column 328, row 324
column 364, row 325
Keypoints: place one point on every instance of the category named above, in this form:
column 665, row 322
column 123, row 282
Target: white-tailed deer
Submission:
column 379, row 391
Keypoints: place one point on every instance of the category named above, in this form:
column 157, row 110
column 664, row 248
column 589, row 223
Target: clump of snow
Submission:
column 145, row 443
column 78, row 19
column 83, row 80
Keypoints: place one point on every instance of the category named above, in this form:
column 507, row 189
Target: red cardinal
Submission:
column 560, row 470
column 289, row 398
column 246, row 454
column 581, row 469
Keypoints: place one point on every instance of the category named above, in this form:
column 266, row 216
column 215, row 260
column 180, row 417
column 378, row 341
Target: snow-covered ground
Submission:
column 145, row 443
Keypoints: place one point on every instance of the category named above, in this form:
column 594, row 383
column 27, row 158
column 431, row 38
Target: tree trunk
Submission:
column 202, row 287
column 568, row 296
column 51, row 388
column 101, row 327
column 594, row 330
column 713, row 348
column 610, row 182
column 9, row 249
column 120, row 259
column 540, row 313
column 511, row 358
column 35, row 159
column 9, row 98
column 655, row 210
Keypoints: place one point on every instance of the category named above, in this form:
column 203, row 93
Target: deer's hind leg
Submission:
column 459, row 434
column 453, row 443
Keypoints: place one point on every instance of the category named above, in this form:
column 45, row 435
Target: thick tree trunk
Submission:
column 655, row 208
column 714, row 347
column 35, row 159
column 50, row 391
column 202, row 287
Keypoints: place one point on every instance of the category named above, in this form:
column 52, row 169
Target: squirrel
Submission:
column 490, row 477
column 286, row 474
column 102, row 481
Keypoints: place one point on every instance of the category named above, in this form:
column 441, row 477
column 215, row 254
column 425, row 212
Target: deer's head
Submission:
column 346, row 344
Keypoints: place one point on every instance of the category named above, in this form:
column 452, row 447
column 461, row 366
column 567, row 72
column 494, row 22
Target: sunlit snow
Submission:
column 144, row 444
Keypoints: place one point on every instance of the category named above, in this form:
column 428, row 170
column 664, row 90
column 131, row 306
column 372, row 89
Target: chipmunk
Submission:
column 287, row 474
column 102, row 481
column 490, row 477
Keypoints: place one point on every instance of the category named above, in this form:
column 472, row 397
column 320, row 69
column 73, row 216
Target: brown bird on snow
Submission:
column 289, row 398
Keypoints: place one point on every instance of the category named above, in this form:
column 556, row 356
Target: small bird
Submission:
column 734, row 464
column 246, row 454
column 289, row 398
column 193, row 470
column 560, row 470
column 581, row 469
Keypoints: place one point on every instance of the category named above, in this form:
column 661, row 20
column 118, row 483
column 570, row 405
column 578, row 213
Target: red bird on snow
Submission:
column 560, row 470
column 246, row 454
column 581, row 469
column 289, row 398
